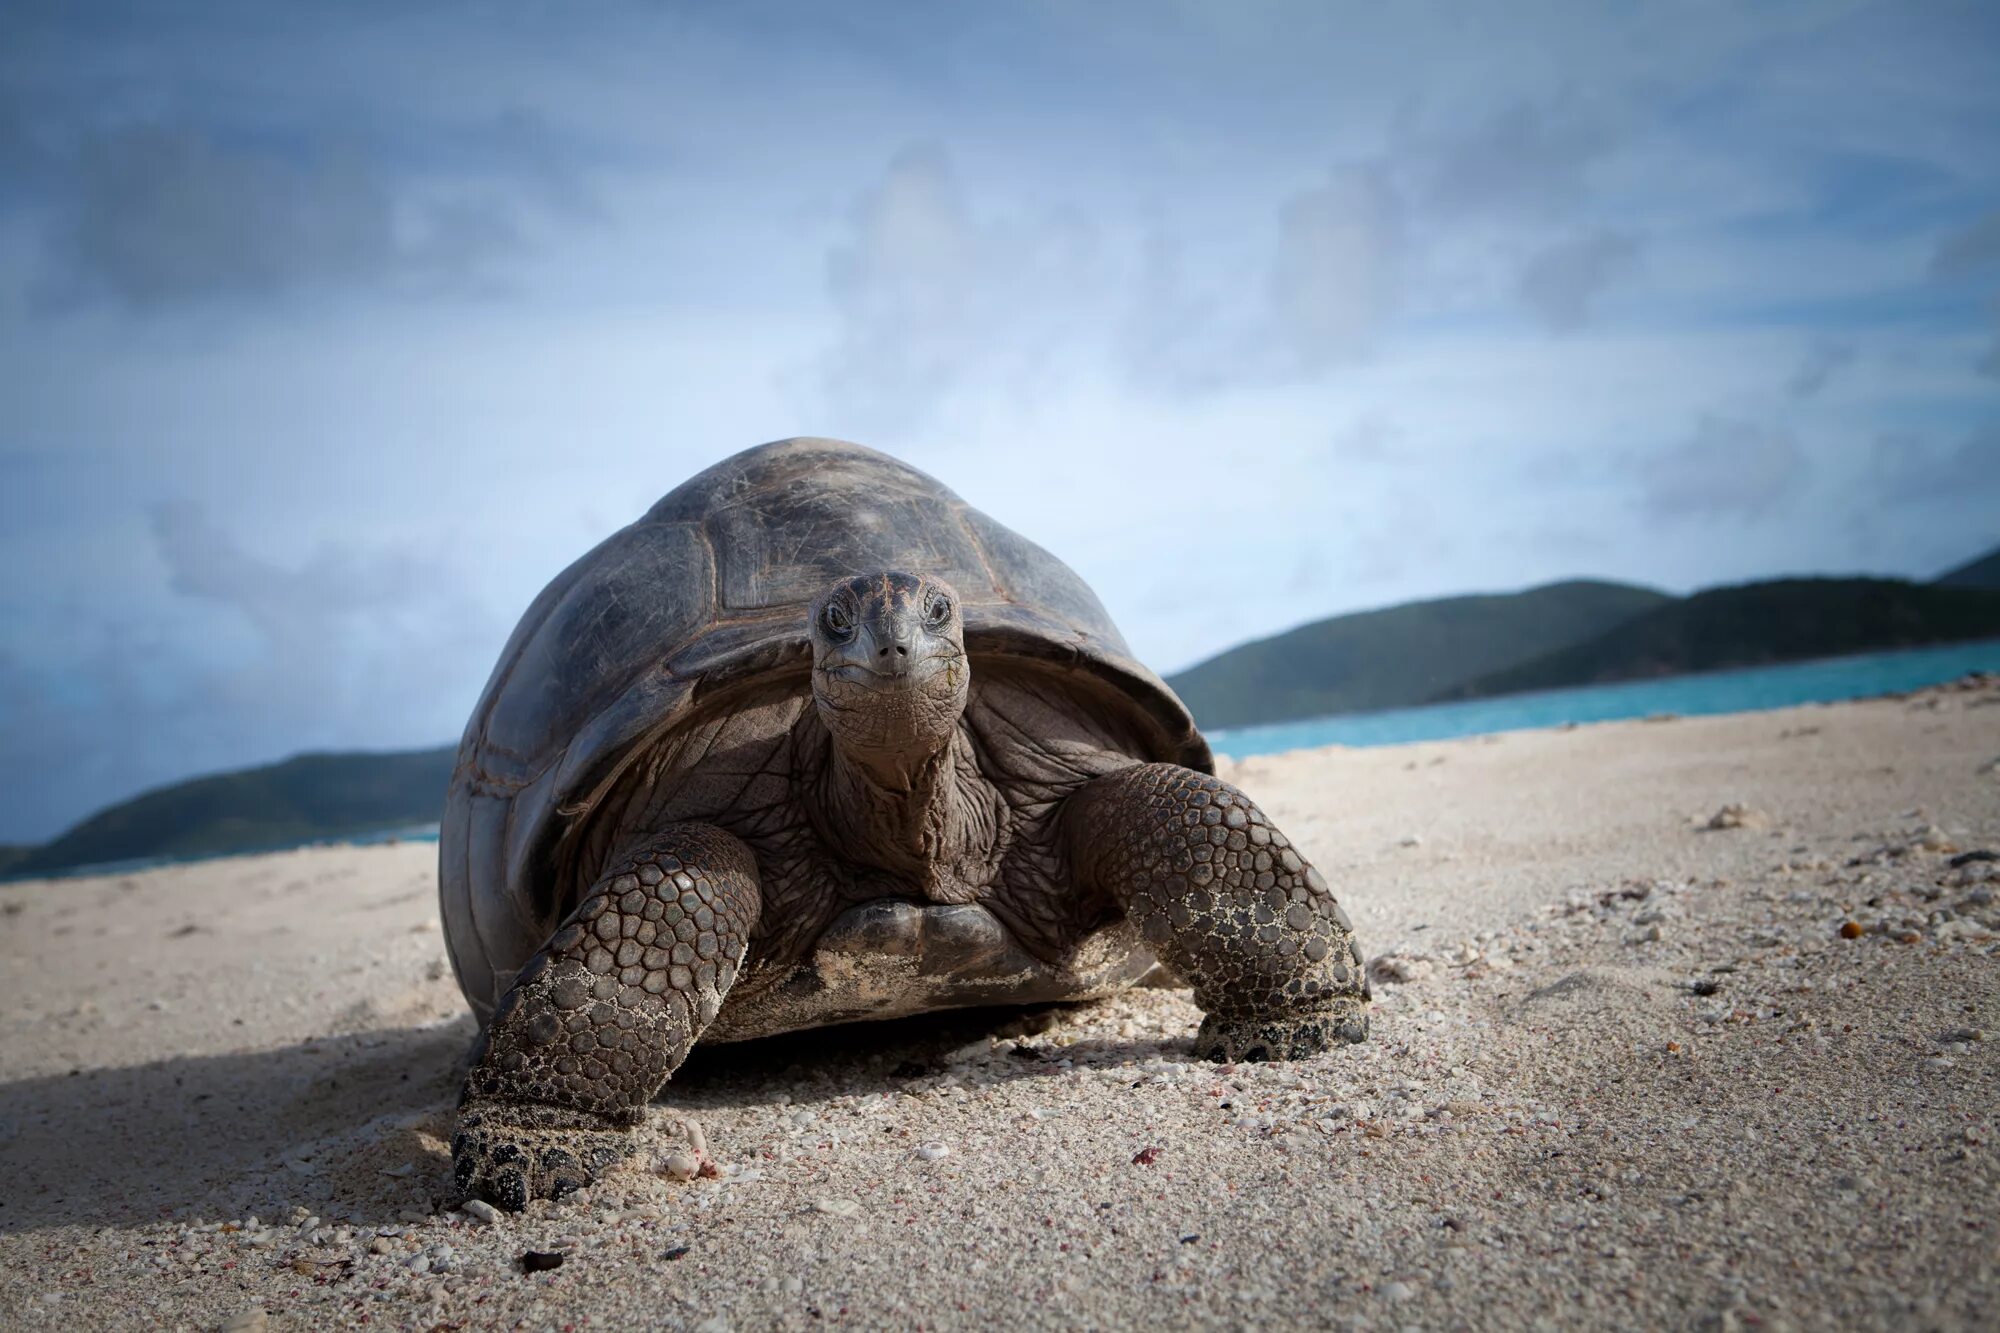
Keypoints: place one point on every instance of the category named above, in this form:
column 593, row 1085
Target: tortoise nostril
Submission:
column 901, row 651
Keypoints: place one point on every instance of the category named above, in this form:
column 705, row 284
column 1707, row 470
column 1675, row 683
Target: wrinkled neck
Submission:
column 913, row 816
column 912, row 775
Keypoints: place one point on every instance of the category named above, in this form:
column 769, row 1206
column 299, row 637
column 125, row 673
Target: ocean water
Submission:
column 1828, row 680
column 404, row 833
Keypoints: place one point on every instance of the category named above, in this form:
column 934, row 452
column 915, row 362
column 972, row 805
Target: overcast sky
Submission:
column 329, row 334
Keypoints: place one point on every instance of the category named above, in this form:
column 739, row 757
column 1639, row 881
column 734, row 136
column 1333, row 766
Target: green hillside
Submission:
column 1402, row 655
column 1983, row 572
column 306, row 797
column 1756, row 624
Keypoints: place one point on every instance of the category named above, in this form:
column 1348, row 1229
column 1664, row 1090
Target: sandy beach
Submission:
column 1683, row 1023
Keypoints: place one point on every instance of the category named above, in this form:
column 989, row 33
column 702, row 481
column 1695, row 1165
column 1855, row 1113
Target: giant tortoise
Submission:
column 815, row 741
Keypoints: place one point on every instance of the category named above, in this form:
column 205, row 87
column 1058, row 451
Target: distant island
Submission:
column 1402, row 655
column 1564, row 634
column 307, row 797
column 1983, row 572
column 1757, row 624
column 1577, row 633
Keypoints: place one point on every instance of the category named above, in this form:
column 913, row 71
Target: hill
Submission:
column 1756, row 624
column 1401, row 655
column 1983, row 572
column 307, row 797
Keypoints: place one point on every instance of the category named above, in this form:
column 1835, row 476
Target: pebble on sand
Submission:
column 482, row 1210
column 1395, row 969
column 1739, row 816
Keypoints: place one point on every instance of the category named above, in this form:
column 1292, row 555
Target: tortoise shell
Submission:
column 707, row 592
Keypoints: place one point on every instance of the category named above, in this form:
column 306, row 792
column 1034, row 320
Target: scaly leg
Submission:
column 1227, row 902
column 600, row 1017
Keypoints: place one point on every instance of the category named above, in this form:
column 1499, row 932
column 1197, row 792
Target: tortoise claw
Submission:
column 511, row 1153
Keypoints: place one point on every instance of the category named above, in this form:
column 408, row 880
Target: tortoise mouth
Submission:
column 904, row 675
column 903, row 714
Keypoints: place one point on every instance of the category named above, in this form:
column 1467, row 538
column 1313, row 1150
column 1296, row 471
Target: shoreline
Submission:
column 1958, row 674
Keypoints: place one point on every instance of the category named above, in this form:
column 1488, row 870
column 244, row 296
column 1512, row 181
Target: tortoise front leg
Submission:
column 1227, row 902
column 598, row 1020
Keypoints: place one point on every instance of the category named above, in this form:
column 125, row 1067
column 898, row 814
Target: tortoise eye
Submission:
column 836, row 620
column 937, row 610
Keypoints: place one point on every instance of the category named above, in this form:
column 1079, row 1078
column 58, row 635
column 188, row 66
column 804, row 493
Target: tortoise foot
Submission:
column 1296, row 1036
column 510, row 1152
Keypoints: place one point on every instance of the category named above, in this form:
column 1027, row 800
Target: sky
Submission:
column 329, row 334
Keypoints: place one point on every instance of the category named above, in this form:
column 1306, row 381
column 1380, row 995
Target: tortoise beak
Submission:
column 864, row 664
column 886, row 646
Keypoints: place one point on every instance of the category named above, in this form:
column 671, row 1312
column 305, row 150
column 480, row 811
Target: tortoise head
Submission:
column 889, row 667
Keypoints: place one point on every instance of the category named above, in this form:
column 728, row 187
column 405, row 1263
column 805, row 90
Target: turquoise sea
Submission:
column 1828, row 680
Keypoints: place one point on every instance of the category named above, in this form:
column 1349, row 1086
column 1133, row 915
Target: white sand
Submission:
column 225, row 1089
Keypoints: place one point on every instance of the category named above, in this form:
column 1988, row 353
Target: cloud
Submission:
column 1169, row 337
column 247, row 659
column 932, row 299
column 1726, row 468
column 336, row 632
column 159, row 214
column 1969, row 250
column 928, row 296
column 1370, row 438
column 289, row 606
column 1973, row 251
column 1335, row 274
column 1561, row 282
column 1526, row 161
column 250, row 660
column 1333, row 282
column 520, row 144
column 1355, row 253
column 906, row 288
column 1906, row 468
column 1823, row 360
